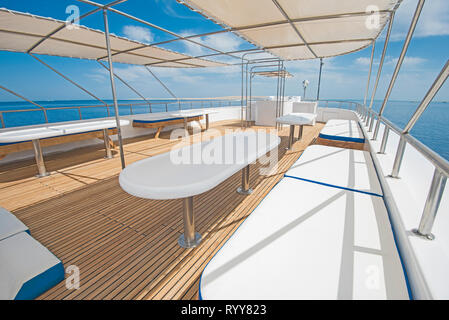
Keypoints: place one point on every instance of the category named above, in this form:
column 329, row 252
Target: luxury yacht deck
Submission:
column 125, row 246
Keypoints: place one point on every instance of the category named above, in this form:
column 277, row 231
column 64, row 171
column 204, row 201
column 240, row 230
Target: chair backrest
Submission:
column 307, row 107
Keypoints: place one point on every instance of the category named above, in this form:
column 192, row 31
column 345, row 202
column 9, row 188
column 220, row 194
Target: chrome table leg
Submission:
column 244, row 188
column 301, row 128
column 291, row 137
column 190, row 238
column 39, row 159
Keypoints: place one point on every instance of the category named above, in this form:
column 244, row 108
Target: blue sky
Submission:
column 344, row 77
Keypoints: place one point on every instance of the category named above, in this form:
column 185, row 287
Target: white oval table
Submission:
column 296, row 119
column 34, row 134
column 209, row 163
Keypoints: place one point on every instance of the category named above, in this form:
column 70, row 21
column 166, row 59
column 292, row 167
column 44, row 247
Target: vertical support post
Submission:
column 244, row 189
column 398, row 159
column 300, row 132
column 432, row 204
column 107, row 145
column 278, row 94
column 319, row 79
column 291, row 136
column 383, row 145
column 250, row 96
column 114, row 94
column 399, row 63
column 207, row 121
column 372, row 122
column 39, row 159
column 190, row 238
column 382, row 59
column 369, row 72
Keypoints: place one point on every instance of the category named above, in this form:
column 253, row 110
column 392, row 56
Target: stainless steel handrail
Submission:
column 165, row 105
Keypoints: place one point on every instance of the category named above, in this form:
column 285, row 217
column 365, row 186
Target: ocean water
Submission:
column 432, row 128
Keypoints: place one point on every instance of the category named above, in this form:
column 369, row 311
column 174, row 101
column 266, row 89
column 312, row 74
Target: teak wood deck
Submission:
column 126, row 247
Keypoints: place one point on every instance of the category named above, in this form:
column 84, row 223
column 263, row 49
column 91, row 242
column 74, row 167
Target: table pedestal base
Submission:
column 190, row 238
column 189, row 244
column 244, row 189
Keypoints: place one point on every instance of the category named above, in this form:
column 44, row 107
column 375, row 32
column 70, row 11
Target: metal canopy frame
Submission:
column 237, row 54
column 247, row 76
column 291, row 22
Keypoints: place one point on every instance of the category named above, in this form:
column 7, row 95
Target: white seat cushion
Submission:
column 10, row 225
column 342, row 130
column 344, row 168
column 308, row 241
column 27, row 268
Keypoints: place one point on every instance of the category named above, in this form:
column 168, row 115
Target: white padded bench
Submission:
column 309, row 241
column 10, row 225
column 338, row 167
column 342, row 130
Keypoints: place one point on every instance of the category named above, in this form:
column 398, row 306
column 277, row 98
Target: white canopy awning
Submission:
column 301, row 29
column 272, row 74
column 20, row 32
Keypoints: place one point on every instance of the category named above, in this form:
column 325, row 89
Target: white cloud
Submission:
column 223, row 42
column 138, row 33
column 363, row 61
column 434, row 19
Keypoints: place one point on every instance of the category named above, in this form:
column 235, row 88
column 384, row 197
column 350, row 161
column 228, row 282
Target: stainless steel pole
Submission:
column 411, row 30
column 244, row 189
column 398, row 158
column 437, row 84
column 190, row 238
column 369, row 72
column 114, row 94
column 439, row 81
column 379, row 71
column 432, row 204
column 39, row 159
column 107, row 146
column 383, row 145
column 319, row 79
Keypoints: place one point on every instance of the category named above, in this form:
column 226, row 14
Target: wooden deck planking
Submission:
column 126, row 247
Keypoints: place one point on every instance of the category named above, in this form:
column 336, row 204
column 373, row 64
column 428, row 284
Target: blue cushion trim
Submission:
column 162, row 120
column 334, row 186
column 338, row 138
column 41, row 283
column 63, row 135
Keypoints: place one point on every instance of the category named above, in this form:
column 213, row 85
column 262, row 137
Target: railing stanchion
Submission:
column 398, row 159
column 2, row 121
column 371, row 124
column 383, row 145
column 432, row 204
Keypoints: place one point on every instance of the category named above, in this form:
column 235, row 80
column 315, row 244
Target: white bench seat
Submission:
column 10, row 225
column 309, row 241
column 342, row 130
column 338, row 167
column 27, row 268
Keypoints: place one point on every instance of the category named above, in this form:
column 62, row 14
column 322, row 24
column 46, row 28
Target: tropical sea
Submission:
column 432, row 129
